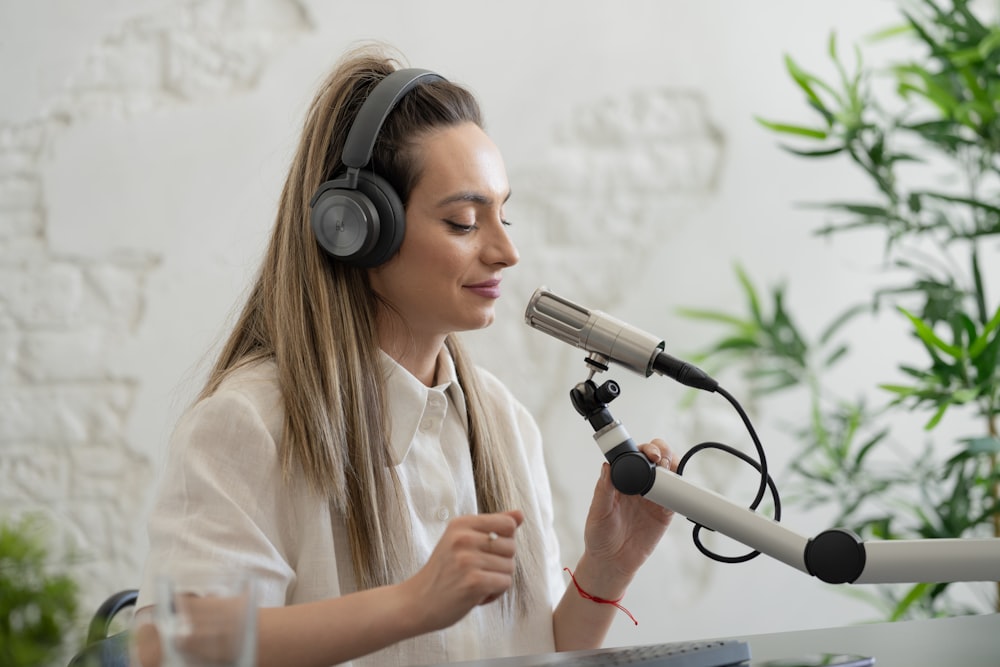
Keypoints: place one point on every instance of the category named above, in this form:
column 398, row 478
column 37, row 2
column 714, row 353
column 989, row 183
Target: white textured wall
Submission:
column 143, row 145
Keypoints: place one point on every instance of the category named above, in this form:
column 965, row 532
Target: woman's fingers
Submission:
column 494, row 534
column 493, row 538
column 472, row 564
column 658, row 452
column 499, row 546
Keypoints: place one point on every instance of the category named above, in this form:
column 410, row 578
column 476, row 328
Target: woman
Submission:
column 389, row 496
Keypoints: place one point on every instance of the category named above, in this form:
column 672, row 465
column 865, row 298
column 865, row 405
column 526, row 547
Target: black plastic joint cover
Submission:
column 835, row 556
column 631, row 472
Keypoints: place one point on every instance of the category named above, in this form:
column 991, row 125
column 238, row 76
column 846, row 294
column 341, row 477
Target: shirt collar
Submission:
column 407, row 399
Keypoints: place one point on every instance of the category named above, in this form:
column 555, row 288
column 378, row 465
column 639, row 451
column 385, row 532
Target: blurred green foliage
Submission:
column 38, row 601
column 931, row 152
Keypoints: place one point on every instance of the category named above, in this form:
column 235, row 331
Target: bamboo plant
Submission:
column 939, row 124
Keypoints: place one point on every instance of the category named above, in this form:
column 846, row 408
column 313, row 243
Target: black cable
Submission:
column 766, row 482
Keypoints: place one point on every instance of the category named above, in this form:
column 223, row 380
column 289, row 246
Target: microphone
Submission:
column 601, row 334
column 834, row 556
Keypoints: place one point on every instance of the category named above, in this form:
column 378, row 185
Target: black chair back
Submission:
column 102, row 650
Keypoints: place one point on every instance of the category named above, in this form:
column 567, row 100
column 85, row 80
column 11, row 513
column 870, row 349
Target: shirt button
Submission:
column 443, row 514
column 427, row 425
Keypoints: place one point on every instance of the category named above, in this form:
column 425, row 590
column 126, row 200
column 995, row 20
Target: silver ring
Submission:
column 492, row 536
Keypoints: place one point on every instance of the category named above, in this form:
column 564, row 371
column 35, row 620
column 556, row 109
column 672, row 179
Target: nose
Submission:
column 500, row 248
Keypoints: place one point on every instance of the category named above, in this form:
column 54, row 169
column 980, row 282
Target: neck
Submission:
column 417, row 354
column 422, row 366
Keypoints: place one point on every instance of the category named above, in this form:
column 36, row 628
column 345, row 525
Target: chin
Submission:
column 480, row 323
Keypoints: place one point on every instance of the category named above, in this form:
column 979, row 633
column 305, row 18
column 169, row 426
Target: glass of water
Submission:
column 206, row 618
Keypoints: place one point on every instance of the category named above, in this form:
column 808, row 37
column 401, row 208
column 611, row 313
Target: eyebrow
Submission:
column 470, row 196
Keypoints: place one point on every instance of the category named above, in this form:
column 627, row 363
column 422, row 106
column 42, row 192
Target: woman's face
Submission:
column 446, row 275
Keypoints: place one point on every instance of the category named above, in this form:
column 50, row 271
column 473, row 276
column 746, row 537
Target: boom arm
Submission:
column 835, row 556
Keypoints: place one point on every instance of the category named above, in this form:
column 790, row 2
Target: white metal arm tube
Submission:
column 931, row 560
column 721, row 514
column 883, row 561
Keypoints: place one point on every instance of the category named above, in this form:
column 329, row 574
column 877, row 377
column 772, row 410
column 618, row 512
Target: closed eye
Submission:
column 464, row 229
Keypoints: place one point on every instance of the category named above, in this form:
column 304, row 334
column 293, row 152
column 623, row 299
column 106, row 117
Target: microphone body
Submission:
column 601, row 334
column 593, row 331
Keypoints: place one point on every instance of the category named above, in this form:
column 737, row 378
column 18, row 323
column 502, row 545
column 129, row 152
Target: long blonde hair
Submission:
column 316, row 318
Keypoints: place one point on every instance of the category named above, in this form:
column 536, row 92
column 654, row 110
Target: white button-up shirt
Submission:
column 223, row 501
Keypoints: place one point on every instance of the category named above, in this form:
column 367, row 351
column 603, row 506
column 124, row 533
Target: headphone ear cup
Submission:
column 361, row 227
column 391, row 217
column 344, row 221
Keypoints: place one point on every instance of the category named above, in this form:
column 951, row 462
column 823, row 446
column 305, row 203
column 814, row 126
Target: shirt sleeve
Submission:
column 223, row 501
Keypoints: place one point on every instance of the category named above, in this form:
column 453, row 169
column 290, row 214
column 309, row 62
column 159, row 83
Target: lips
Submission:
column 489, row 289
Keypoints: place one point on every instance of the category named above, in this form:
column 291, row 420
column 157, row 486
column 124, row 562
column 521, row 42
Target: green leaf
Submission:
column 977, row 279
column 840, row 321
column 753, row 301
column 736, row 343
column 938, row 416
column 987, row 364
column 797, row 130
column 990, row 44
column 867, row 210
column 927, row 335
column 914, row 372
column 914, row 594
column 713, row 316
column 927, row 86
column 868, row 446
column 807, row 82
column 965, row 201
column 979, row 344
column 982, row 445
column 775, row 386
column 962, row 396
column 822, row 152
column 835, row 356
column 899, row 389
column 891, row 32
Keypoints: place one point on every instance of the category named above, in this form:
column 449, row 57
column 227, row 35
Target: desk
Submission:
column 966, row 641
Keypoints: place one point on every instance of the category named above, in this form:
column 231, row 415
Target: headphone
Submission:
column 357, row 217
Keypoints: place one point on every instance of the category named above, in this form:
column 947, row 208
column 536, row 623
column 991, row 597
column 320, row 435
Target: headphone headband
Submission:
column 364, row 132
column 357, row 216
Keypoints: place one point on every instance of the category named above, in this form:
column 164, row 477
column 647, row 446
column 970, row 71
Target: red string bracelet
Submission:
column 588, row 596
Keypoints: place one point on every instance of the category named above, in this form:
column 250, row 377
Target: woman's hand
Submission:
column 623, row 530
column 472, row 564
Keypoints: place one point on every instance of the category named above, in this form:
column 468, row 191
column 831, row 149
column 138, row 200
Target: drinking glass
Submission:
column 206, row 618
